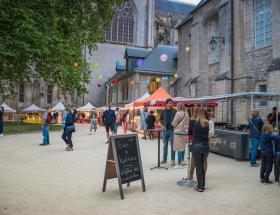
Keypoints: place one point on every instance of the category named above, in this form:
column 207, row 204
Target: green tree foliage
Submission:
column 44, row 38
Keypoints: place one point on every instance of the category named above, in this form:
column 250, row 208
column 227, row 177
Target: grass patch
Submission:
column 20, row 128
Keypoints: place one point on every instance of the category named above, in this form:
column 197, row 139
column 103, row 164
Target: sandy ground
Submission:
column 38, row 180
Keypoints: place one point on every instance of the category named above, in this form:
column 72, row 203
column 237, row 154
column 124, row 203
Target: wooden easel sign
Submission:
column 124, row 161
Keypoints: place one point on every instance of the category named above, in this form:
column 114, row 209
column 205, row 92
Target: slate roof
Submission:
column 174, row 6
column 275, row 65
column 153, row 64
column 199, row 5
column 136, row 52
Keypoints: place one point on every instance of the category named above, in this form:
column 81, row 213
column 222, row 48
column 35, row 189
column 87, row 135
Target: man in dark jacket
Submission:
column 109, row 120
column 166, row 119
column 255, row 125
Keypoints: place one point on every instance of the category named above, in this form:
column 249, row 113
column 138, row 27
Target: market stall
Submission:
column 33, row 114
column 58, row 110
column 9, row 113
column 84, row 112
column 155, row 101
column 232, row 139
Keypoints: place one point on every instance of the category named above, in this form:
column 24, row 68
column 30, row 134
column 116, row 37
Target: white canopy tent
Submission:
column 87, row 107
column 130, row 105
column 58, row 107
column 33, row 108
column 7, row 109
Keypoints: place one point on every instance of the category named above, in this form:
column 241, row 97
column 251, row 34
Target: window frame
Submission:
column 21, row 93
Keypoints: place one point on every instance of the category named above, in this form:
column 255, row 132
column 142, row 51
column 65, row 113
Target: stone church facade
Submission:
column 205, row 64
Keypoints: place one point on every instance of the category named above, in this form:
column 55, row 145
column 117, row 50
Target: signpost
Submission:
column 124, row 161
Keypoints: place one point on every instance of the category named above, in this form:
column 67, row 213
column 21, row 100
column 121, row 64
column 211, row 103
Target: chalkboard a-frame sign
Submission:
column 124, row 161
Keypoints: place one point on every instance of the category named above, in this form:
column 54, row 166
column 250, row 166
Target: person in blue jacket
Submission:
column 277, row 158
column 255, row 125
column 266, row 141
column 69, row 128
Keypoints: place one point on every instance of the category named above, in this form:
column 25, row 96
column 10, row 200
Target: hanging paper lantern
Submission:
column 175, row 75
column 148, row 82
column 100, row 77
column 166, row 78
column 157, row 80
column 76, row 65
column 98, row 85
column 140, row 62
column 187, row 49
column 117, row 63
column 106, row 85
column 132, row 82
column 96, row 66
column 163, row 58
column 115, row 81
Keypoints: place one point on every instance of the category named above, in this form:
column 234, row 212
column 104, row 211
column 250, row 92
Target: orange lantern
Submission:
column 132, row 82
column 76, row 65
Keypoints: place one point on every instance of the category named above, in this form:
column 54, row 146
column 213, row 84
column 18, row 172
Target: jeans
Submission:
column 1, row 127
column 254, row 149
column 180, row 157
column 200, row 153
column 67, row 137
column 277, row 168
column 92, row 125
column 168, row 135
column 266, row 168
column 116, row 127
column 46, row 136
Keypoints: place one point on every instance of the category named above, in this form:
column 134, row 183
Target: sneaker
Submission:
column 268, row 182
column 90, row 133
column 163, row 162
column 255, row 165
column 262, row 180
column 172, row 163
column 178, row 166
column 69, row 149
column 184, row 163
column 107, row 142
column 42, row 144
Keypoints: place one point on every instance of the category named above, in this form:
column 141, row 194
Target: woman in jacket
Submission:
column 180, row 123
column 200, row 147
column 93, row 120
column 69, row 128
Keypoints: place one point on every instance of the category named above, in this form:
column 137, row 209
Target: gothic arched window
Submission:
column 122, row 25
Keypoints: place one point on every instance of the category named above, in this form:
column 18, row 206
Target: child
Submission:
column 151, row 119
column 277, row 158
column 266, row 141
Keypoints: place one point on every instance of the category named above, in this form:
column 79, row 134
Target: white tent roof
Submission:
column 130, row 105
column 7, row 109
column 33, row 108
column 58, row 107
column 87, row 107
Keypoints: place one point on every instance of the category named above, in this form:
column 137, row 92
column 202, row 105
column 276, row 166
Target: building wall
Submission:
column 250, row 63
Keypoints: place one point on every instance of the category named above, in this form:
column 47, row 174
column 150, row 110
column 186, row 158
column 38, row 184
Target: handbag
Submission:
column 71, row 128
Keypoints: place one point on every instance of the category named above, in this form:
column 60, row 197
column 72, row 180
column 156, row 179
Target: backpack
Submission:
column 49, row 119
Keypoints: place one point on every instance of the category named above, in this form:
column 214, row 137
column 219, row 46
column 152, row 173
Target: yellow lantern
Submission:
column 76, row 65
column 157, row 80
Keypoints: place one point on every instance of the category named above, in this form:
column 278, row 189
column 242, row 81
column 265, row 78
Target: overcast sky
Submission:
column 191, row 1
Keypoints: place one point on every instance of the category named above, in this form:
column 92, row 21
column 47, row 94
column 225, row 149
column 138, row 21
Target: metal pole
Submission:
column 252, row 105
column 232, row 57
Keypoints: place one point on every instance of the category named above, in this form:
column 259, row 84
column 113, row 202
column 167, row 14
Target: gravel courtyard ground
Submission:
column 47, row 180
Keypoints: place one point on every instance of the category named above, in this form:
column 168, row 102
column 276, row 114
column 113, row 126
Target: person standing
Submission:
column 271, row 118
column 180, row 124
column 266, row 142
column 255, row 125
column 109, row 120
column 46, row 121
column 118, row 119
column 276, row 152
column 69, row 128
column 166, row 119
column 125, row 121
column 93, row 120
column 200, row 147
column 143, row 121
column 1, row 121
column 151, row 123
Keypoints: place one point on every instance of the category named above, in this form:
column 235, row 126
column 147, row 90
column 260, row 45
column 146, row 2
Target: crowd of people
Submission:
column 267, row 137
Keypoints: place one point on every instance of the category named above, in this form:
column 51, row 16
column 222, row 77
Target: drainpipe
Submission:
column 232, row 57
